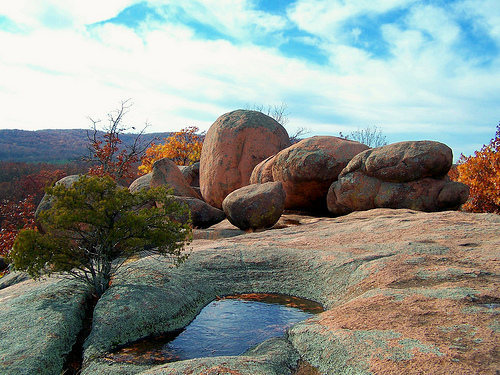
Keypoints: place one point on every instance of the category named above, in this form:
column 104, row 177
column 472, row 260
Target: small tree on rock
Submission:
column 94, row 226
column 107, row 155
column 370, row 136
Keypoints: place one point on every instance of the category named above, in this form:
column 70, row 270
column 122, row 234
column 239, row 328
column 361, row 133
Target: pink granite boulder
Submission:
column 401, row 175
column 166, row 172
column 233, row 146
column 308, row 168
column 255, row 206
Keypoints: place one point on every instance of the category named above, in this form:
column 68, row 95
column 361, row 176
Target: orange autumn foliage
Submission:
column 183, row 148
column 481, row 172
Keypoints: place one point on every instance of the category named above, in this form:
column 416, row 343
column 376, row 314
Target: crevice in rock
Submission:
column 73, row 363
column 368, row 258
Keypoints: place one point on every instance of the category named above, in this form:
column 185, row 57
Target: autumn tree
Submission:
column 15, row 216
column 107, row 155
column 94, row 226
column 481, row 172
column 19, row 179
column 183, row 148
column 18, row 211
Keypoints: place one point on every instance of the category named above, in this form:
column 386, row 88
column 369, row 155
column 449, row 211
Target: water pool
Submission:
column 226, row 327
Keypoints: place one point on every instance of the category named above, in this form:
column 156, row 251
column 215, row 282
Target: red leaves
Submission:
column 108, row 156
column 19, row 202
column 15, row 216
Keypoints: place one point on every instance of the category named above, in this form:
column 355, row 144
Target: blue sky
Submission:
column 427, row 69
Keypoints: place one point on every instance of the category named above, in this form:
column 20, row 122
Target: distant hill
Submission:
column 53, row 145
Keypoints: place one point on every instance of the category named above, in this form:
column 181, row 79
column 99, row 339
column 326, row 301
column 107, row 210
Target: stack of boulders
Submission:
column 251, row 173
column 307, row 169
column 400, row 175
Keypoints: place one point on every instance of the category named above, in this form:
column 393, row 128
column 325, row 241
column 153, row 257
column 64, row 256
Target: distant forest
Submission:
column 53, row 146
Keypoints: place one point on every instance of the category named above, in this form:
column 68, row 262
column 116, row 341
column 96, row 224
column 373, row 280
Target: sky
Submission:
column 427, row 69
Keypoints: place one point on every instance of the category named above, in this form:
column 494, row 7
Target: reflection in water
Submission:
column 228, row 326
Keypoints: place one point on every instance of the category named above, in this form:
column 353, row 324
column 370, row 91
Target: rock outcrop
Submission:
column 401, row 175
column 405, row 292
column 39, row 324
column 255, row 206
column 166, row 172
column 308, row 168
column 233, row 146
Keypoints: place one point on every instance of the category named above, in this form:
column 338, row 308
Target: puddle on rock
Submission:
column 226, row 327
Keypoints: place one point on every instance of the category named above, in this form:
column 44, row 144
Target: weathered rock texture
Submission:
column 202, row 214
column 308, row 168
column 404, row 292
column 39, row 323
column 263, row 172
column 255, row 206
column 140, row 183
column 235, row 143
column 166, row 172
column 191, row 173
column 400, row 175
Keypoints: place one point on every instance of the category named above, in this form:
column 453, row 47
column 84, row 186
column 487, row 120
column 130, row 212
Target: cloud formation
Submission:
column 419, row 70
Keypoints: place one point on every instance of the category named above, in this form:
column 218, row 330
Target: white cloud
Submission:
column 62, row 13
column 324, row 17
column 55, row 78
column 237, row 18
column 437, row 22
column 484, row 13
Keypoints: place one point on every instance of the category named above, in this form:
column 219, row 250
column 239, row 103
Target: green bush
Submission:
column 94, row 226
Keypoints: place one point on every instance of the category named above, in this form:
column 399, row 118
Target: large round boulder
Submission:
column 202, row 214
column 166, row 172
column 233, row 146
column 255, row 206
column 402, row 175
column 308, row 168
